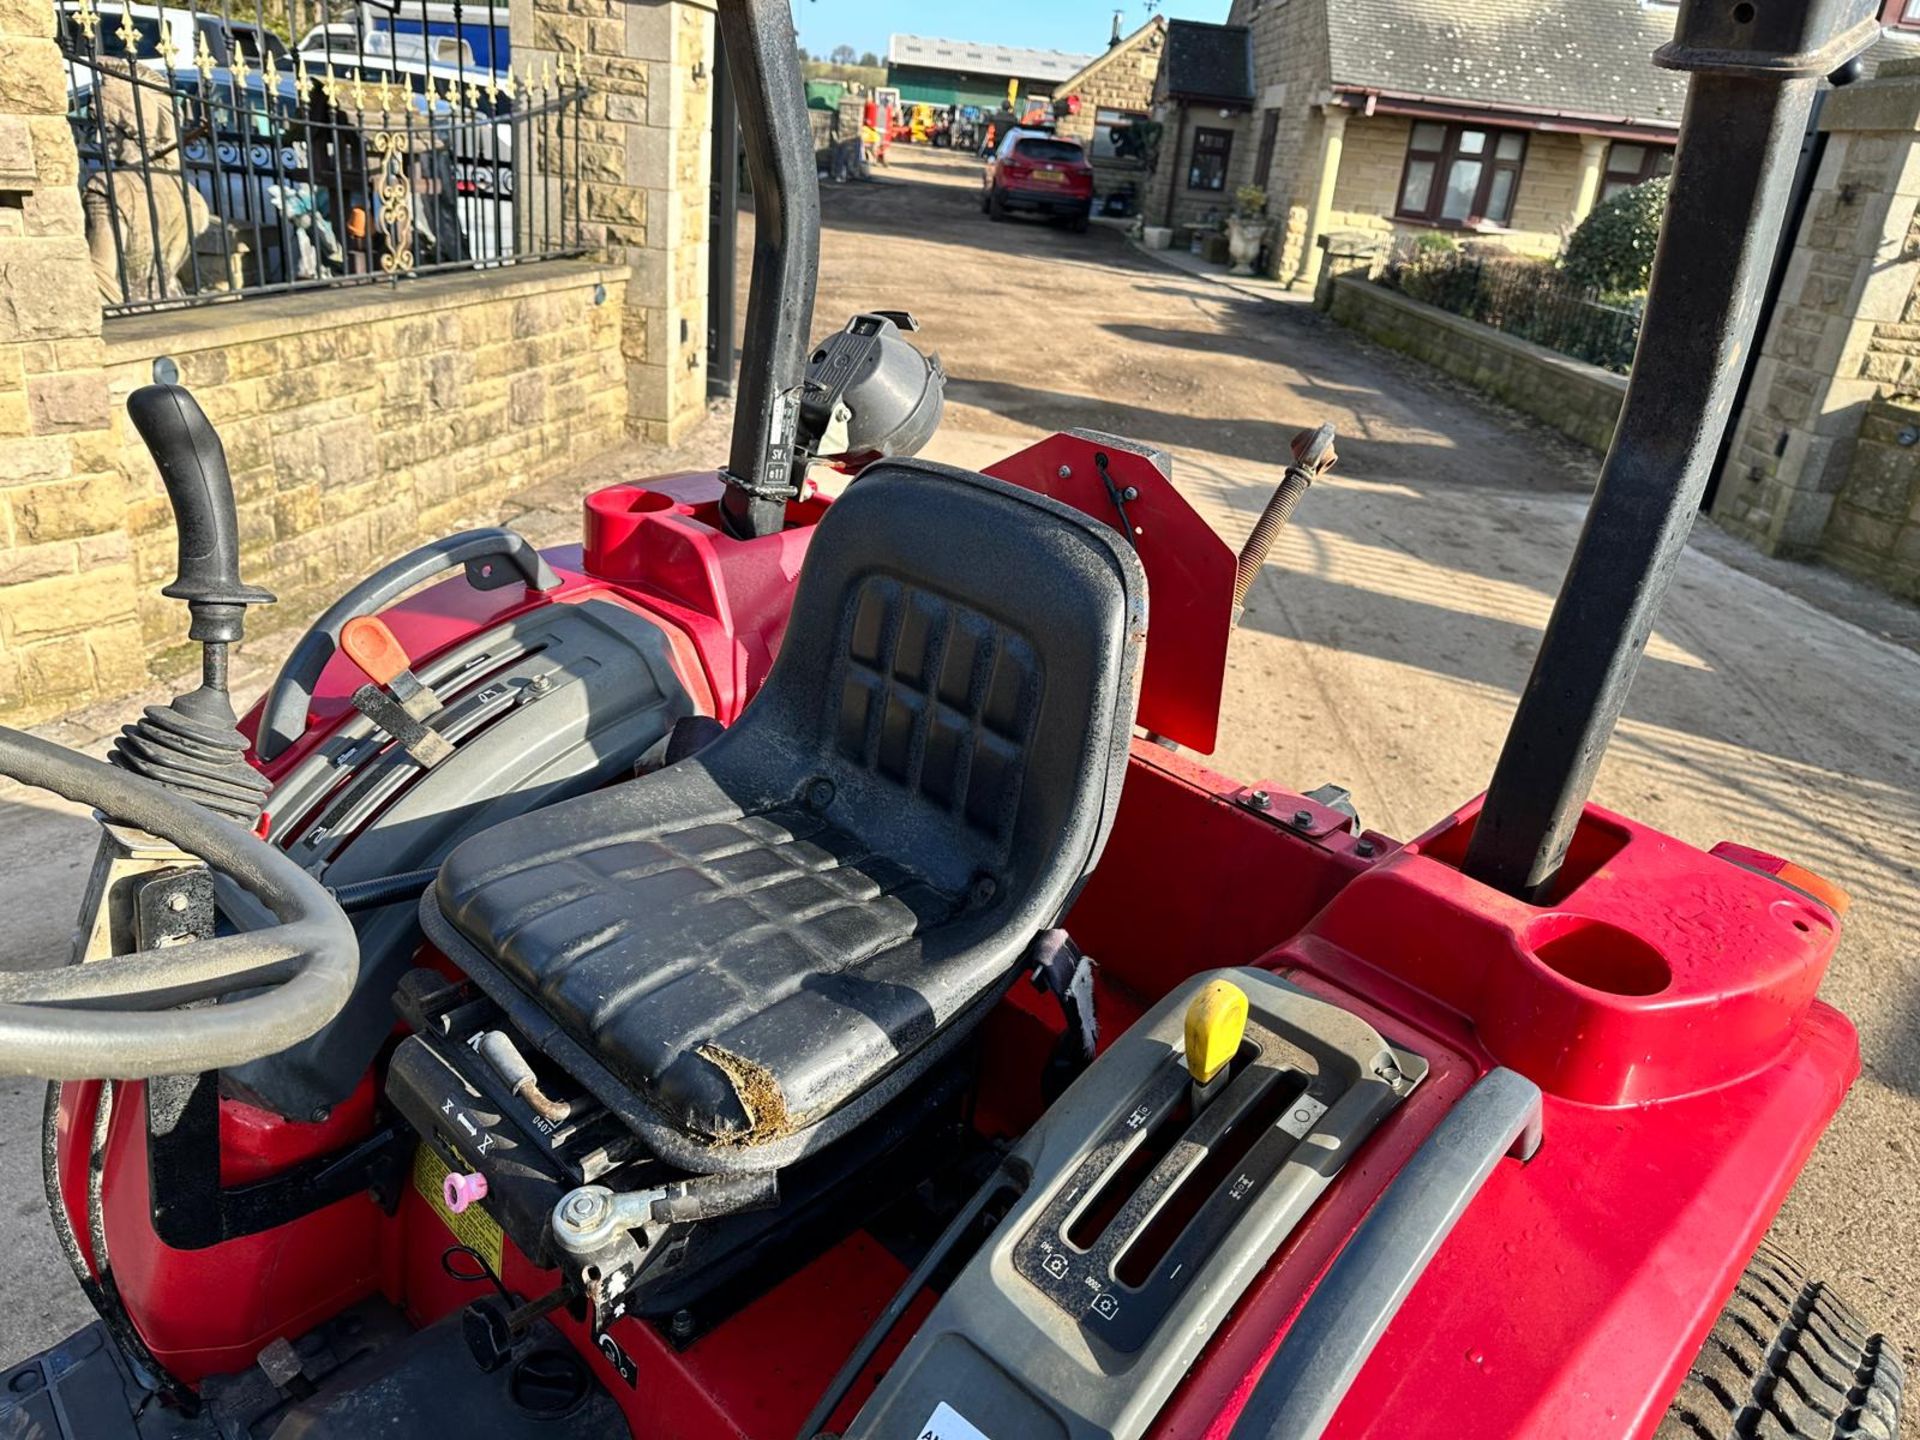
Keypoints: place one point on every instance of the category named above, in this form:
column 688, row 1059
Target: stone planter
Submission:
column 1158, row 237
column 1244, row 239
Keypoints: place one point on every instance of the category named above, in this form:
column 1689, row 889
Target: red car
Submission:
column 1039, row 173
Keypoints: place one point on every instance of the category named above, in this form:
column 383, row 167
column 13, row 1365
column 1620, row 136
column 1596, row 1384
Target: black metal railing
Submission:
column 293, row 145
column 1528, row 299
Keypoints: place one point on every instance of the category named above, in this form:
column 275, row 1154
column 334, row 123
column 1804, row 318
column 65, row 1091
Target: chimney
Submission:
column 1115, row 39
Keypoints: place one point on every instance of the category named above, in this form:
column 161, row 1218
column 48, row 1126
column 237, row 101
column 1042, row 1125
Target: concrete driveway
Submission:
column 1382, row 648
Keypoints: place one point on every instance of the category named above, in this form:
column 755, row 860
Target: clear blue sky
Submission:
column 1076, row 25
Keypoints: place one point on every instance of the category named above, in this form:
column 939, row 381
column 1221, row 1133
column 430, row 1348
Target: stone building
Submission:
column 1105, row 99
column 1202, row 95
column 1500, row 120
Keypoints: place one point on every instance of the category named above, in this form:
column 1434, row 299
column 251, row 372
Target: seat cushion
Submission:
column 684, row 955
column 755, row 943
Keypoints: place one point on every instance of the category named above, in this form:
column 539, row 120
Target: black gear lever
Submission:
column 191, row 745
column 193, row 466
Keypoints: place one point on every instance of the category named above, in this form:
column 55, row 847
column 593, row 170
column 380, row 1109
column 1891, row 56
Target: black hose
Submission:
column 102, row 1294
column 371, row 894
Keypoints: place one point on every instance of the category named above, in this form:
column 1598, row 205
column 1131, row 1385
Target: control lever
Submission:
column 393, row 697
column 1313, row 456
column 590, row 1217
column 603, row 1232
column 191, row 745
column 193, row 466
column 1215, row 1024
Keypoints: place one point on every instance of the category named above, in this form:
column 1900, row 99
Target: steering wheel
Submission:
column 116, row 1018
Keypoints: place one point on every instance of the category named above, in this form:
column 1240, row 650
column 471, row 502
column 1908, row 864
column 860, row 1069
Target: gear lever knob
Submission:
column 1216, row 1021
column 193, row 467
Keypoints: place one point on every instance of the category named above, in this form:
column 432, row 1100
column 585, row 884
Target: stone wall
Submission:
column 1874, row 530
column 1892, row 361
column 1290, row 69
column 67, row 625
column 1544, row 207
column 1579, row 400
column 1845, row 336
column 644, row 162
column 359, row 421
column 357, row 424
column 1372, row 159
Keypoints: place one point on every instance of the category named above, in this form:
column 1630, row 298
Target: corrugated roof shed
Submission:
column 1211, row 62
column 970, row 58
column 1573, row 57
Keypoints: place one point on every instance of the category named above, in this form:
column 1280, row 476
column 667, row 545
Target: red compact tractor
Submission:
column 773, row 970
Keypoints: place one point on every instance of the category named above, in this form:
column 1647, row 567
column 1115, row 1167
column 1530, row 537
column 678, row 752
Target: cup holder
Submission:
column 649, row 502
column 1597, row 955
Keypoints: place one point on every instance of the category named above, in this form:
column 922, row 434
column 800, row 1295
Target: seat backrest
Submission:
column 961, row 668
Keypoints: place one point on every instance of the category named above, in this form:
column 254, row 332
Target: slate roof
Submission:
column 1210, row 62
column 1588, row 58
column 970, row 58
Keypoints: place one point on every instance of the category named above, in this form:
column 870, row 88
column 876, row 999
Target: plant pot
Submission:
column 1158, row 237
column 1244, row 239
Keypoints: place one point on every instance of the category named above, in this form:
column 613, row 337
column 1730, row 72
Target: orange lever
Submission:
column 370, row 645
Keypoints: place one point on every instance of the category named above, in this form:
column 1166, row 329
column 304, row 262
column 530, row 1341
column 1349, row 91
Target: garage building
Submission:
column 961, row 72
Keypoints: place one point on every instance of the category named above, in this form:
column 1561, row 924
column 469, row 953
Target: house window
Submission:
column 1113, row 132
column 1902, row 13
column 1207, row 170
column 1628, row 164
column 1461, row 174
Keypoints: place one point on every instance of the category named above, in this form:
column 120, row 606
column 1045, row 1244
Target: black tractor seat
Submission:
column 755, row 948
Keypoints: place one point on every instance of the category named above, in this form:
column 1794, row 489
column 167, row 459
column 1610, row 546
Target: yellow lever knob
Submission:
column 1216, row 1019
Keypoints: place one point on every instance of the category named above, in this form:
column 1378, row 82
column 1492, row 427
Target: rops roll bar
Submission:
column 1756, row 65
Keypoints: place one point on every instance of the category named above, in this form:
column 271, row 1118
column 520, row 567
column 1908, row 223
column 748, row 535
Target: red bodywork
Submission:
column 1034, row 172
column 1664, row 1001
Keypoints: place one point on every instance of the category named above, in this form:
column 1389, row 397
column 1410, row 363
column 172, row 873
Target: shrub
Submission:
column 1530, row 299
column 1612, row 251
column 1250, row 202
column 1429, row 243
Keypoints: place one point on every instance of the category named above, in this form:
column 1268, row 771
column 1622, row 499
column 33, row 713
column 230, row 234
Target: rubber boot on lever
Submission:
column 191, row 745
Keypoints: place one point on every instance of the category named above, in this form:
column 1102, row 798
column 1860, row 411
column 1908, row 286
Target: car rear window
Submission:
column 1052, row 152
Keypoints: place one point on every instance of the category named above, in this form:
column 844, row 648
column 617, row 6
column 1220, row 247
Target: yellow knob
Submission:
column 1216, row 1020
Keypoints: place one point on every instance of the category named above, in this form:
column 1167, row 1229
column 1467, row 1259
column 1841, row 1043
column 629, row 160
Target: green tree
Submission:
column 869, row 58
column 843, row 55
column 1612, row 251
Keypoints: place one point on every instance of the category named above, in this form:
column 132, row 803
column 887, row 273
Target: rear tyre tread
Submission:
column 1787, row 1360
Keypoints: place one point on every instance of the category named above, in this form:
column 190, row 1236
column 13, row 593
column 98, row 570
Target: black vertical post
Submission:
column 1756, row 65
column 723, row 229
column 772, row 104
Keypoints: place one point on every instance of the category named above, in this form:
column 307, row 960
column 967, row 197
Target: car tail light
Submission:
column 1013, row 170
